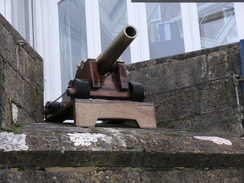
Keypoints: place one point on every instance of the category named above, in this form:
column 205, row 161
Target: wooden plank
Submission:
column 87, row 112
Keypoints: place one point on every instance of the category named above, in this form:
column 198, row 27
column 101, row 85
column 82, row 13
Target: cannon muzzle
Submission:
column 107, row 58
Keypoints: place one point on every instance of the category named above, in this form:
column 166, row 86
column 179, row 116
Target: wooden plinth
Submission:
column 87, row 112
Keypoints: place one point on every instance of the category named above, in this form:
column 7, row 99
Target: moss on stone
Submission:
column 15, row 128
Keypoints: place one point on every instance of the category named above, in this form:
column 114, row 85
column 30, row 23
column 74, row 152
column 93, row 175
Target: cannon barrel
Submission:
column 107, row 58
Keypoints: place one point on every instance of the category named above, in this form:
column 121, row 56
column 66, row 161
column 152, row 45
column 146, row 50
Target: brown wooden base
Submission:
column 87, row 112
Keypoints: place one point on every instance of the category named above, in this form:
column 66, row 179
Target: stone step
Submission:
column 59, row 145
column 52, row 152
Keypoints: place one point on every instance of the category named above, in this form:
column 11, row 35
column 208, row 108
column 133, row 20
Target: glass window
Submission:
column 164, row 29
column 73, row 41
column 21, row 17
column 217, row 24
column 113, row 18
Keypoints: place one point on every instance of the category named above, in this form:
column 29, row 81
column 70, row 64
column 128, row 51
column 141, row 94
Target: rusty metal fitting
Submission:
column 71, row 91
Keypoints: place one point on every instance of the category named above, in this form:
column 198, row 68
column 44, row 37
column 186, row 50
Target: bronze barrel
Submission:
column 109, row 56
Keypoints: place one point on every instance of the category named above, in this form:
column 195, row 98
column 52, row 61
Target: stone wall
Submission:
column 193, row 91
column 21, row 79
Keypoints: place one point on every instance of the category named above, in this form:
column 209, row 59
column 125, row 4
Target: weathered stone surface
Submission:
column 193, row 91
column 122, row 175
column 62, row 153
column 21, row 78
column 98, row 146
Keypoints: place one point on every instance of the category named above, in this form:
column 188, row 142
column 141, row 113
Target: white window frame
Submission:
column 93, row 30
column 239, row 14
column 46, row 43
column 31, row 26
column 191, row 32
column 139, row 48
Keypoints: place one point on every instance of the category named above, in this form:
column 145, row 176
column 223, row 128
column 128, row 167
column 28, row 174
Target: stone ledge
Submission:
column 61, row 145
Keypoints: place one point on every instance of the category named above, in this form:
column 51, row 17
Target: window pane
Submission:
column 113, row 18
column 164, row 29
column 21, row 17
column 73, row 42
column 217, row 24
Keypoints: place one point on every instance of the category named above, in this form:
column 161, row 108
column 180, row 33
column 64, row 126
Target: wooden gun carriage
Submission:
column 102, row 90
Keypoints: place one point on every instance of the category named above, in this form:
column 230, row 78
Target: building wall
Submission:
column 21, row 76
column 42, row 24
column 193, row 91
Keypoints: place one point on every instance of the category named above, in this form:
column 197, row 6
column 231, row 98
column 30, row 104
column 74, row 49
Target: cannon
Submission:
column 105, row 76
column 103, row 82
